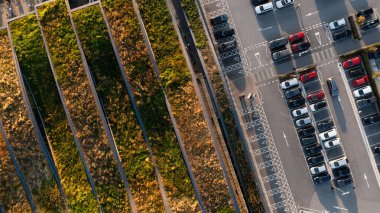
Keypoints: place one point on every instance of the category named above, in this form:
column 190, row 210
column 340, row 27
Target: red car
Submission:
column 297, row 37
column 360, row 81
column 352, row 62
column 308, row 76
column 316, row 96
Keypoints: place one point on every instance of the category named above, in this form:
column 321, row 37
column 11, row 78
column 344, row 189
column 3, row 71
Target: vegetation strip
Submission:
column 36, row 69
column 150, row 101
column 176, row 78
column 20, row 133
column 69, row 73
column 242, row 163
column 128, row 135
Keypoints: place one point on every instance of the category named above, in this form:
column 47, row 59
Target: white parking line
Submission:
column 373, row 134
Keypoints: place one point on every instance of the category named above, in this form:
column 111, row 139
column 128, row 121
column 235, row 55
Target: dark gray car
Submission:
column 293, row 93
column 278, row 44
column 333, row 87
column 282, row 54
column 227, row 46
column 224, row 33
column 365, row 102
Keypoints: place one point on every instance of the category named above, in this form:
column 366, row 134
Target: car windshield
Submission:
column 361, row 92
column 326, row 135
column 287, row 84
column 336, row 164
column 261, row 8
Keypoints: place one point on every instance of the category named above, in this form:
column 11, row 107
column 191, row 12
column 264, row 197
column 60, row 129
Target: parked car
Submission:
column 283, row 3
column 318, row 169
column 308, row 76
column 318, row 106
column 343, row 181
column 333, row 87
column 316, row 96
column 289, row 83
column 360, row 81
column 328, row 135
column 300, row 47
column 317, row 159
column 282, row 54
column 297, row 37
column 258, row 2
column 219, row 20
column 337, row 24
column 325, row 125
column 338, row 163
column 278, row 44
column 224, row 33
column 341, row 34
column 293, row 93
column 365, row 102
column 363, row 92
column 374, row 55
column 300, row 112
column 376, row 149
column 321, row 178
column 264, row 8
column 308, row 141
column 341, row 172
column 371, row 119
column 306, row 131
column 296, row 103
column 313, row 150
column 227, row 46
column 332, row 143
column 370, row 24
column 303, row 122
column 356, row 72
column 352, row 62
column 365, row 13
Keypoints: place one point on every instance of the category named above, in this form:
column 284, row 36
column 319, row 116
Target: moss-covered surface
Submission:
column 80, row 102
column 20, row 133
column 128, row 135
column 35, row 66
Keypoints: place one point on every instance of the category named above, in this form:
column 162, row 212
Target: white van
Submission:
column 264, row 8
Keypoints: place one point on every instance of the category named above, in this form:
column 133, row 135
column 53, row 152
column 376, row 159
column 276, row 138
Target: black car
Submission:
column 333, row 87
column 325, row 125
column 227, row 46
column 312, row 150
column 317, row 159
column 219, row 20
column 376, row 149
column 374, row 55
column 257, row 2
column 278, row 44
column 371, row 119
column 343, row 181
column 356, row 73
column 341, row 172
column 224, row 33
column 293, row 93
column 341, row 35
column 370, row 24
column 365, row 13
column 296, row 103
column 365, row 102
column 306, row 131
column 308, row 141
column 321, row 178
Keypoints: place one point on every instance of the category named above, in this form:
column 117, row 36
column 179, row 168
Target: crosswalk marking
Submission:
column 331, row 49
column 323, row 54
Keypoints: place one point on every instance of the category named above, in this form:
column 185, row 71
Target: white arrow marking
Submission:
column 263, row 29
column 257, row 55
column 286, row 140
column 309, row 14
column 365, row 178
column 318, row 37
column 337, row 207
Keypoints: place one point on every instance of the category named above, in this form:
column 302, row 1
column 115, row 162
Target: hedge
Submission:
column 80, row 102
column 20, row 133
column 35, row 67
column 185, row 104
column 133, row 150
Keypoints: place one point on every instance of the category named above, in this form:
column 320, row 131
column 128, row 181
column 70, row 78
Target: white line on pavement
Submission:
column 286, row 140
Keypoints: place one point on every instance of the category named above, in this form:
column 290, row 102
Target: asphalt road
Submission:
column 285, row 179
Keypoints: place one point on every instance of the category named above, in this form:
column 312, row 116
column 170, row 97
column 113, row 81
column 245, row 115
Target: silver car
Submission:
column 276, row 56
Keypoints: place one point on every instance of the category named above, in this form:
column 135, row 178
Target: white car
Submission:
column 317, row 169
column 289, row 83
column 364, row 91
column 299, row 112
column 318, row 106
column 303, row 122
column 284, row 3
column 337, row 24
column 332, row 143
column 328, row 135
column 264, row 8
column 338, row 163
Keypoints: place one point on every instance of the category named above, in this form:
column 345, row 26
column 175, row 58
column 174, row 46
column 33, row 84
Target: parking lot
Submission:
column 284, row 176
